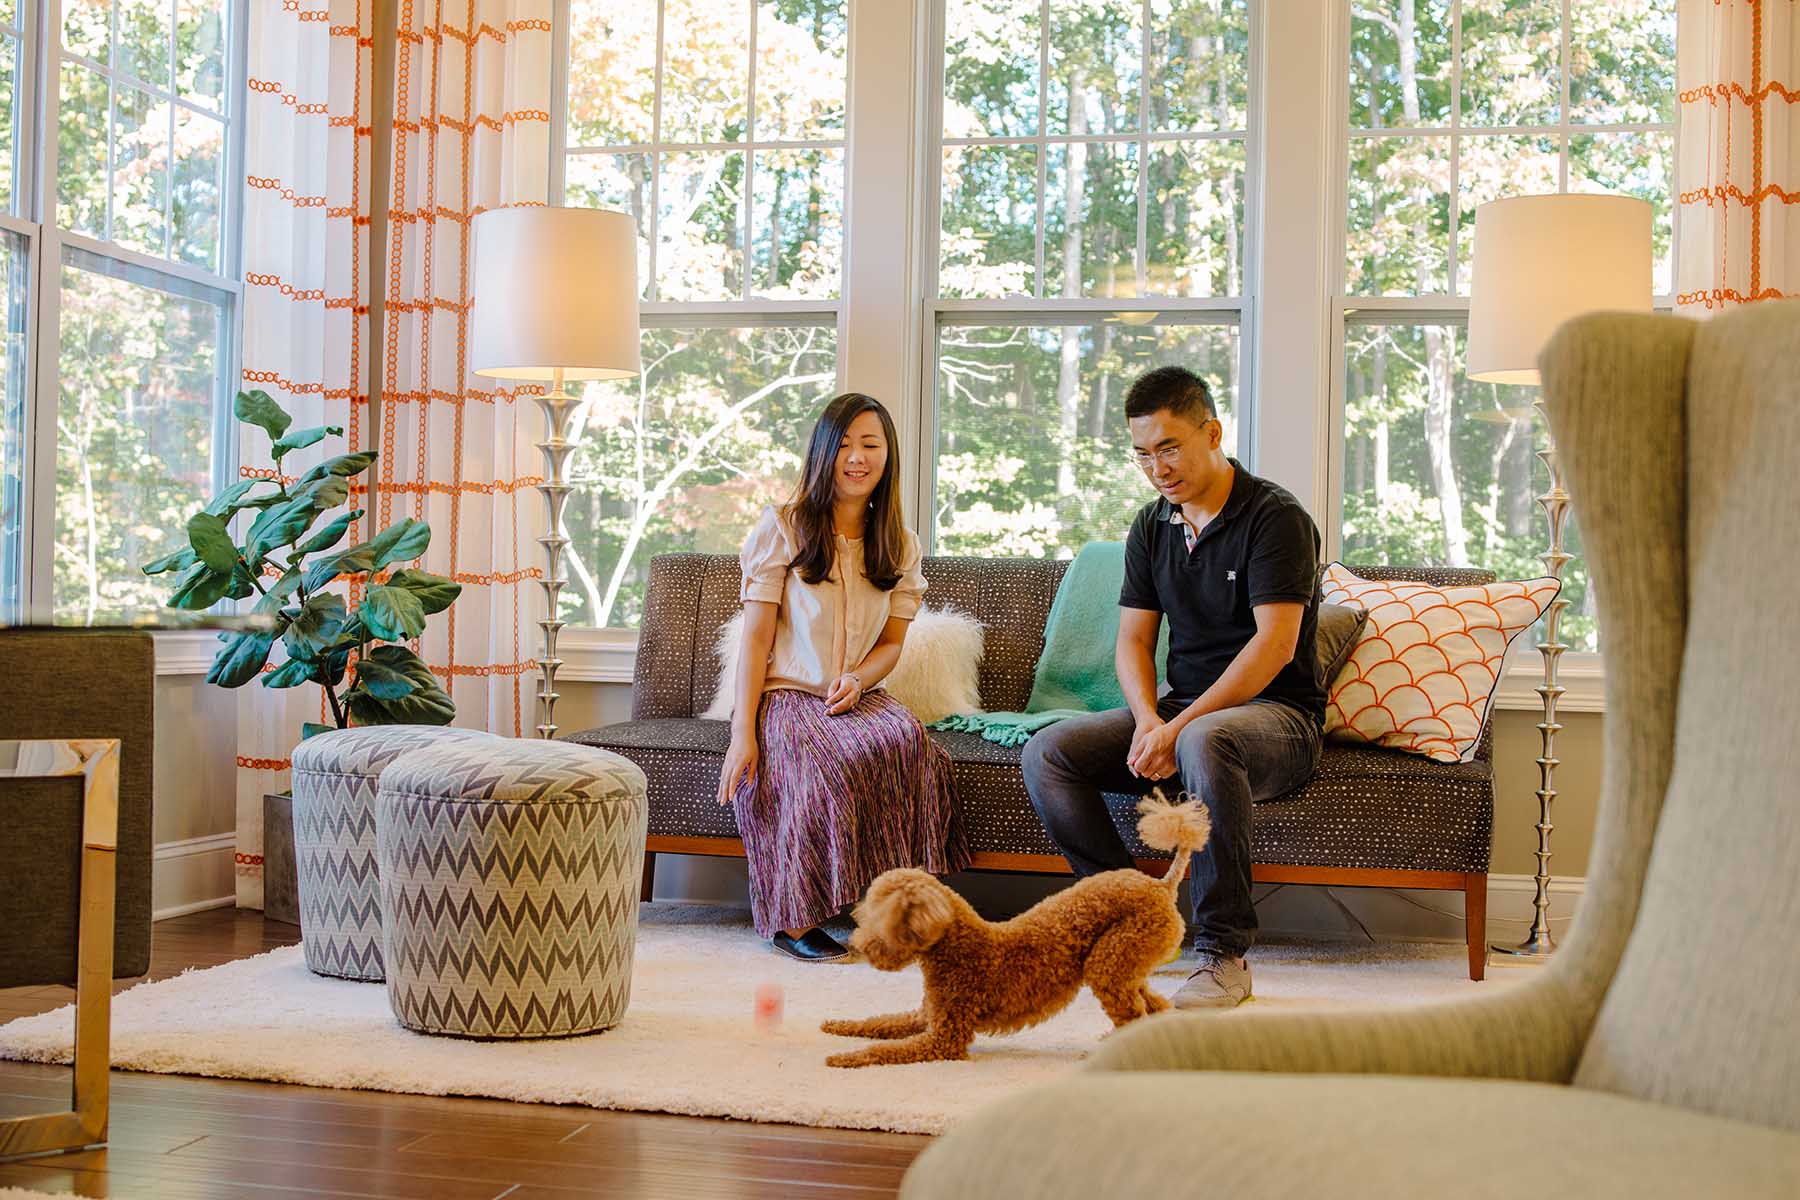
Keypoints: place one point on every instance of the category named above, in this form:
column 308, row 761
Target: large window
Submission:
column 1091, row 212
column 720, row 125
column 1453, row 103
column 118, row 202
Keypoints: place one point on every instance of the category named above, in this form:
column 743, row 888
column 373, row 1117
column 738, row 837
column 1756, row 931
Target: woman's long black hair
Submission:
column 812, row 510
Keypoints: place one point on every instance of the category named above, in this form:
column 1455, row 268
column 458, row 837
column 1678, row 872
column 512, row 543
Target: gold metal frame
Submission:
column 97, row 761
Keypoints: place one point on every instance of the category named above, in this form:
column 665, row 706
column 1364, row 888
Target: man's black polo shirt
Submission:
column 1262, row 548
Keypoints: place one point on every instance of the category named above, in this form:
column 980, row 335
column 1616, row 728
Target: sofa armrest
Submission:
column 1528, row 1031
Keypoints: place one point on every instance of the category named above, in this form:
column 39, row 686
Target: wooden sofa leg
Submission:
column 648, row 892
column 1475, row 887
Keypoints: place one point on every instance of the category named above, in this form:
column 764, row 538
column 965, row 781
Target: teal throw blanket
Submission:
column 1075, row 675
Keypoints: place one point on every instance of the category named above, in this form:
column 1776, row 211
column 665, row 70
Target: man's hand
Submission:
column 740, row 763
column 1152, row 753
column 846, row 691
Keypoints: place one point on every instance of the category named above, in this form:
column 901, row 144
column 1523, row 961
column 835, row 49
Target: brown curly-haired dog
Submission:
column 1108, row 931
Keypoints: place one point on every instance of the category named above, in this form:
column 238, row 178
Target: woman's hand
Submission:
column 740, row 763
column 846, row 691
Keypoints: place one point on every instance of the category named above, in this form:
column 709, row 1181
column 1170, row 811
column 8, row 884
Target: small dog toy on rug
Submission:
column 1108, row 931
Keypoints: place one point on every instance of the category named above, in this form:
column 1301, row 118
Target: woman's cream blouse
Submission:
column 822, row 630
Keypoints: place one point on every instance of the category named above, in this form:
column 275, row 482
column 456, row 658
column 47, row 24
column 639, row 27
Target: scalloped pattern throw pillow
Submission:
column 1423, row 673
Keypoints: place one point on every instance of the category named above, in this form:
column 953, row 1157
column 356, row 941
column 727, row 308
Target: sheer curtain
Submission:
column 1739, row 79
column 306, row 297
column 471, row 132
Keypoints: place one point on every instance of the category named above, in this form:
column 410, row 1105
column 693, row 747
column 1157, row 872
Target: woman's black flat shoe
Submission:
column 815, row 945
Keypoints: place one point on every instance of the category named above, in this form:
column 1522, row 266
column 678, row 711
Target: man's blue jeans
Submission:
column 1228, row 760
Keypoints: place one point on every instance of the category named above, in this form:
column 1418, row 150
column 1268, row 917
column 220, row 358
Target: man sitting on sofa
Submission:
column 1232, row 561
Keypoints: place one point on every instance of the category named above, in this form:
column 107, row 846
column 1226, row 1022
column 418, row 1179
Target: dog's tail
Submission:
column 1182, row 828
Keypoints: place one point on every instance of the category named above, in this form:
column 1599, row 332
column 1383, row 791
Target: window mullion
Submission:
column 746, row 214
column 1043, row 148
column 655, row 156
column 1455, row 206
column 1142, row 258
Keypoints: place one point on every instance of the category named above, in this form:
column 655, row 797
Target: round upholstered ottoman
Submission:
column 334, row 778
column 509, row 887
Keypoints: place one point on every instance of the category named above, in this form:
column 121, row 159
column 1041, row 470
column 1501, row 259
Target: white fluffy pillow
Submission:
column 938, row 674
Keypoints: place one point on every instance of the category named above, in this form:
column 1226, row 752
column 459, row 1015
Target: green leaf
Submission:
column 242, row 583
column 313, row 729
column 316, row 626
column 435, row 593
column 178, row 561
column 383, row 681
column 278, row 526
column 333, row 666
column 329, row 536
column 200, row 587
column 425, row 704
column 406, row 539
column 292, row 673
column 212, row 542
column 392, row 614
column 259, row 408
column 277, row 593
column 234, row 498
column 241, row 659
column 354, row 561
column 342, row 465
column 325, row 493
column 301, row 438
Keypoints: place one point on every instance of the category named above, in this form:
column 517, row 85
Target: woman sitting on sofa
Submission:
column 832, row 781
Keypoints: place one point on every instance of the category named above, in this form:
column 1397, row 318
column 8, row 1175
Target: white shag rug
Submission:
column 689, row 1043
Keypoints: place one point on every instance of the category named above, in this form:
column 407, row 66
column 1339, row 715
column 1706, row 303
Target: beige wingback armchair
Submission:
column 1659, row 1052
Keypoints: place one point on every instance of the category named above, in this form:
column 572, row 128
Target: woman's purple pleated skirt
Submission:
column 838, row 800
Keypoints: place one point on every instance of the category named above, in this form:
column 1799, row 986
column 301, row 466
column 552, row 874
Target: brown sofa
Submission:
column 1367, row 818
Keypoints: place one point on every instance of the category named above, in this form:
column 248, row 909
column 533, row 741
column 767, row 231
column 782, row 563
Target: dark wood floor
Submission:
column 176, row 1137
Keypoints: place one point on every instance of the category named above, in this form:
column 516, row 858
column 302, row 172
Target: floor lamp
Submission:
column 1540, row 260
column 554, row 299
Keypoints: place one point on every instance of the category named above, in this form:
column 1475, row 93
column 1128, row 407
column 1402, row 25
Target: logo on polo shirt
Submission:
column 1231, row 577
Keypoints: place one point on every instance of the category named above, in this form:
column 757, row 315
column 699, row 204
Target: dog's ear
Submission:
column 907, row 909
column 924, row 912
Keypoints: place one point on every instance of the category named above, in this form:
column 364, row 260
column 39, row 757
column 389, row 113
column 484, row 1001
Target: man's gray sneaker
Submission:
column 1220, row 981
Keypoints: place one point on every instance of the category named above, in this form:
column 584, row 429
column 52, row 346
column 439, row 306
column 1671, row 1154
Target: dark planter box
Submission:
column 281, row 879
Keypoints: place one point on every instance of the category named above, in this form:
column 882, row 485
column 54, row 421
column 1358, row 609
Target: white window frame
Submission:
column 1290, row 316
column 36, row 186
column 608, row 655
column 1053, row 310
column 1582, row 674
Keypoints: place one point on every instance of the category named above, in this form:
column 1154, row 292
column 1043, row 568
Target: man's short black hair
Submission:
column 1175, row 390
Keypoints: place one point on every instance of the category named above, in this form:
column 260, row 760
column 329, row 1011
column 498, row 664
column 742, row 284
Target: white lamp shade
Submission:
column 554, row 289
column 1540, row 260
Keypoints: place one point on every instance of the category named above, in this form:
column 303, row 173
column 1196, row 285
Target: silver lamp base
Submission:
column 557, row 406
column 1538, row 944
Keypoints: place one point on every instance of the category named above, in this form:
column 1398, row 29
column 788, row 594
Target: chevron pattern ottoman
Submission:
column 509, row 887
column 334, row 782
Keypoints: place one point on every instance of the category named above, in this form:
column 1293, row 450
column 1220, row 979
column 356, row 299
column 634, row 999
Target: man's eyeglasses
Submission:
column 1168, row 456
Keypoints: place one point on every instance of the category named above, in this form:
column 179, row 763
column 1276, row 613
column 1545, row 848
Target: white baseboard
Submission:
column 1411, row 914
column 193, row 874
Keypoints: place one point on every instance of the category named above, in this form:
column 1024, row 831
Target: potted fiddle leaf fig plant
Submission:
column 288, row 567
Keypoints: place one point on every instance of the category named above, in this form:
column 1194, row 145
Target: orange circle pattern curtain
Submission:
column 306, row 304
column 471, row 132
column 1739, row 82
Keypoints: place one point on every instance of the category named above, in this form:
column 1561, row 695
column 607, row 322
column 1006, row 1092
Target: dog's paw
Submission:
column 852, row 1058
column 840, row 1028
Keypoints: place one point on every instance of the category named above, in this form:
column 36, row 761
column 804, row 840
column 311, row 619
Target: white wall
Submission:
column 195, row 794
